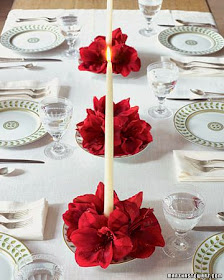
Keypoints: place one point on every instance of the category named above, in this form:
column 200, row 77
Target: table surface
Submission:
column 188, row 5
column 152, row 171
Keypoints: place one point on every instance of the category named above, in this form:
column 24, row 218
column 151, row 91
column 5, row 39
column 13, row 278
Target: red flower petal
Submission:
column 122, row 246
column 137, row 199
column 118, row 221
column 100, row 193
column 92, row 220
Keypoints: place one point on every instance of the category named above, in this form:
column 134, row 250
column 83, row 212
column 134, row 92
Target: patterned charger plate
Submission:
column 191, row 40
column 12, row 251
column 20, row 123
column 79, row 140
column 202, row 123
column 32, row 38
column 209, row 257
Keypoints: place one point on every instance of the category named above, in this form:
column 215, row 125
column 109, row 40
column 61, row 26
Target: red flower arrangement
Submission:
column 131, row 134
column 129, row 231
column 124, row 58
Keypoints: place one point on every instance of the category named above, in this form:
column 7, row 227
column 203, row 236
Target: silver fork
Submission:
column 15, row 215
column 203, row 162
column 34, row 93
column 17, row 224
column 206, row 168
column 193, row 63
column 48, row 19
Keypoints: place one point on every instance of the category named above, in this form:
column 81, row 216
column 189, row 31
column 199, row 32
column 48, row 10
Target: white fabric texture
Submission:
column 185, row 171
column 33, row 219
column 152, row 171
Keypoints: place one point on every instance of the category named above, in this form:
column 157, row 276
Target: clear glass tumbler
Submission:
column 70, row 29
column 183, row 211
column 162, row 78
column 56, row 114
column 38, row 267
column 149, row 9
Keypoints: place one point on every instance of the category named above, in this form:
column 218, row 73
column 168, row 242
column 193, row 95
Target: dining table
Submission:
column 151, row 171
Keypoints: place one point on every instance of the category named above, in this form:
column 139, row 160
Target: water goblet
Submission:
column 38, row 267
column 162, row 78
column 183, row 211
column 70, row 29
column 149, row 9
column 56, row 114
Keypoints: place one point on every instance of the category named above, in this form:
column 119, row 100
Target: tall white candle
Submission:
column 109, row 22
column 109, row 140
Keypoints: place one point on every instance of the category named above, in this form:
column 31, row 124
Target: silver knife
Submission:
column 8, row 59
column 195, row 99
column 209, row 228
column 21, row 160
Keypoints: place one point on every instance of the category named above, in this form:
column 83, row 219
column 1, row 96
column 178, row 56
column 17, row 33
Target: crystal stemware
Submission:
column 162, row 78
column 38, row 267
column 149, row 9
column 56, row 114
column 183, row 211
column 70, row 29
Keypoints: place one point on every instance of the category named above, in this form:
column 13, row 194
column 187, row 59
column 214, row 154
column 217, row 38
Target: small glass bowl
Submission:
column 38, row 266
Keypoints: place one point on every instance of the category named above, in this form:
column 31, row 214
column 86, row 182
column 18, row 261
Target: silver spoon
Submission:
column 6, row 170
column 220, row 215
column 26, row 66
column 201, row 92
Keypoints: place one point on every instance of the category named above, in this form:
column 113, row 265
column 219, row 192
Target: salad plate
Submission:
column 191, row 40
column 12, row 252
column 32, row 38
column 202, row 123
column 209, row 256
column 20, row 123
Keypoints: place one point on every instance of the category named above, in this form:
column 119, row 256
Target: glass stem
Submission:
column 161, row 107
column 58, row 147
column 149, row 24
column 180, row 243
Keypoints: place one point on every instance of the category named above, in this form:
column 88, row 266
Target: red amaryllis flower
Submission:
column 84, row 203
column 129, row 231
column 131, row 134
column 100, row 240
column 144, row 229
column 124, row 58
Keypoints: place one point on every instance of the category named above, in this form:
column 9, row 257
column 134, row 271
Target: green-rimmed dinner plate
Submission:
column 12, row 251
column 32, row 38
column 202, row 123
column 191, row 40
column 209, row 257
column 20, row 123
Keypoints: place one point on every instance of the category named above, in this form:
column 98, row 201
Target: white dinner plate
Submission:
column 209, row 257
column 12, row 251
column 32, row 38
column 20, row 123
column 202, row 123
column 191, row 40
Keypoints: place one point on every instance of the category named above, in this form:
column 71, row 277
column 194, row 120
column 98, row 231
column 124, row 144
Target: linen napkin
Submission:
column 185, row 171
column 198, row 71
column 36, row 215
column 52, row 88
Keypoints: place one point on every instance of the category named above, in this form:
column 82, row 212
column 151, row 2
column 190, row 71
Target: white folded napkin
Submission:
column 185, row 171
column 37, row 213
column 52, row 88
column 198, row 71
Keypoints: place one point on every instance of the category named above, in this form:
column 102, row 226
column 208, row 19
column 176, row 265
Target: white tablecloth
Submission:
column 151, row 171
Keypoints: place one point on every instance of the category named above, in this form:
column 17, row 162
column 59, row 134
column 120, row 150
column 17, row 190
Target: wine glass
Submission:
column 149, row 9
column 182, row 210
column 56, row 114
column 38, row 267
column 162, row 78
column 70, row 29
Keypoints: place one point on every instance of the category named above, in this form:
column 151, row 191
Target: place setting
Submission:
column 173, row 115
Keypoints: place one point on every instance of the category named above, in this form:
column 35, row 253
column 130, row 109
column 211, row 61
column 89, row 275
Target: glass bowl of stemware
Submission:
column 182, row 210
